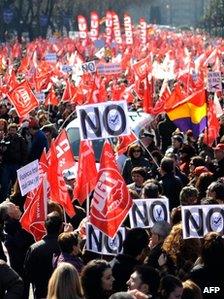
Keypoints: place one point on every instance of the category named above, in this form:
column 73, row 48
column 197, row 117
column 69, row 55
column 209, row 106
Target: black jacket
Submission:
column 11, row 285
column 122, row 267
column 38, row 264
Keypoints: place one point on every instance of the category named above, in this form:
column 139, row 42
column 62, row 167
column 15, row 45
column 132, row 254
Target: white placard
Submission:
column 146, row 212
column 103, row 120
column 214, row 81
column 98, row 242
column 89, row 67
column 109, row 68
column 198, row 220
column 28, row 177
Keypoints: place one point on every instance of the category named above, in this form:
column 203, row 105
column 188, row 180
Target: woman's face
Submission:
column 107, row 280
column 176, row 294
column 136, row 153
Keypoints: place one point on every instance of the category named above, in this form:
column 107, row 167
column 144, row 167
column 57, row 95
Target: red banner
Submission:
column 94, row 25
column 128, row 30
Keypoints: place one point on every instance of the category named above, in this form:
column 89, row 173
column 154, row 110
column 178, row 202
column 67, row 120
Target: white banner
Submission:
column 214, row 81
column 100, row 243
column 146, row 212
column 28, row 177
column 199, row 220
column 109, row 68
column 103, row 120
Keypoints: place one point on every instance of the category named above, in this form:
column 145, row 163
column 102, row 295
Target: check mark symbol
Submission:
column 217, row 221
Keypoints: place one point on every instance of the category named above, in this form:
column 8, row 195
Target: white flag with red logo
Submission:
column 64, row 153
column 128, row 30
column 83, row 29
column 111, row 200
column 23, row 99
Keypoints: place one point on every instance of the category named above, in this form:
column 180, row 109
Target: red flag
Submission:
column 124, row 142
column 64, row 153
column 34, row 216
column 58, row 189
column 148, row 95
column 86, row 180
column 142, row 67
column 111, row 200
column 51, row 98
column 69, row 91
column 212, row 130
column 23, row 99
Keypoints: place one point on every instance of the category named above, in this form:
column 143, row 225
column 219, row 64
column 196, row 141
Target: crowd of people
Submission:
column 155, row 262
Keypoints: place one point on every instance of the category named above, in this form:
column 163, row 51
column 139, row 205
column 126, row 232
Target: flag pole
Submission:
column 61, row 127
column 65, row 218
column 87, row 202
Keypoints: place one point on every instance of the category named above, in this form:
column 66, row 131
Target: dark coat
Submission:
column 17, row 242
column 16, row 150
column 122, row 267
column 206, row 277
column 219, row 171
column 38, row 264
column 11, row 285
column 172, row 186
column 130, row 163
column 39, row 142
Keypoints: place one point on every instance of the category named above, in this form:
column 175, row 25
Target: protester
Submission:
column 208, row 268
column 14, row 156
column 191, row 290
column 144, row 279
column 70, row 251
column 38, row 263
column 136, row 159
column 11, row 285
column 135, row 248
column 170, row 288
column 65, row 283
column 138, row 175
column 97, row 273
column 16, row 240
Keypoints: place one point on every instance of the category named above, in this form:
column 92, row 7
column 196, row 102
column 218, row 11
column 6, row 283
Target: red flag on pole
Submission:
column 111, row 200
column 34, row 216
column 87, row 173
column 124, row 142
column 58, row 189
column 212, row 130
column 64, row 153
column 23, row 99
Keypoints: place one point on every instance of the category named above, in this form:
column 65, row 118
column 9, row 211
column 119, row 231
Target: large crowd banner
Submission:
column 103, row 120
column 146, row 212
column 198, row 220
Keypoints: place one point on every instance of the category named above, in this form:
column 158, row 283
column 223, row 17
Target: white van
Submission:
column 138, row 122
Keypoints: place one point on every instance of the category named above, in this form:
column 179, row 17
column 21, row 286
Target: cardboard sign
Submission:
column 146, row 212
column 103, row 120
column 198, row 220
column 28, row 177
column 214, row 81
column 98, row 242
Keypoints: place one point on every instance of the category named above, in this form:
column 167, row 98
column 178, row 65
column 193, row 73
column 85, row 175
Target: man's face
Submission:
column 176, row 143
column 13, row 211
column 12, row 131
column 134, row 282
column 138, row 179
column 219, row 154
